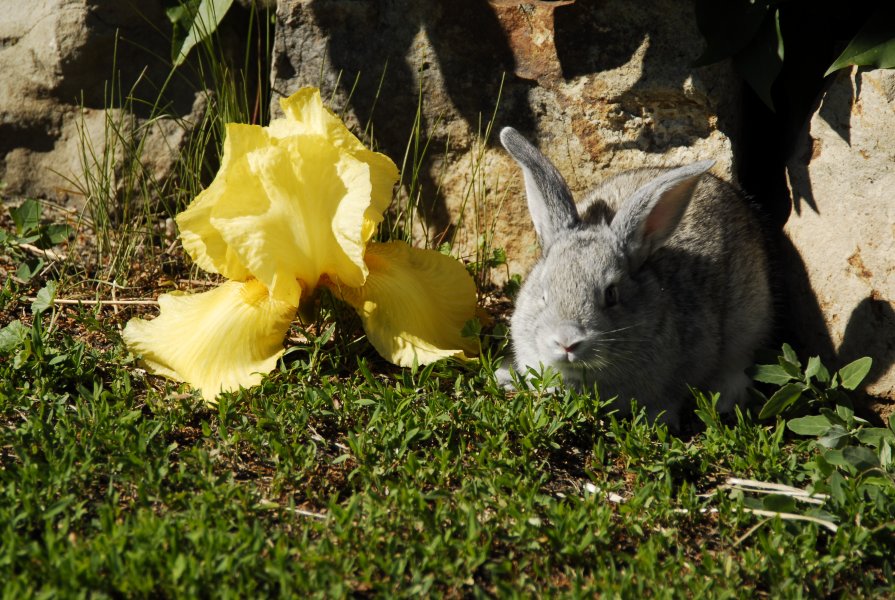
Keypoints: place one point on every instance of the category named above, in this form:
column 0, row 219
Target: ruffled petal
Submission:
column 200, row 238
column 291, row 202
column 303, row 219
column 306, row 115
column 216, row 341
column 414, row 304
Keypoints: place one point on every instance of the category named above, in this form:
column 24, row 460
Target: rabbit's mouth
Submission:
column 580, row 364
column 567, row 344
column 573, row 362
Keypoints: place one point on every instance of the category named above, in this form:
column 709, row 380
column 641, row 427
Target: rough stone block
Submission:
column 842, row 283
column 602, row 86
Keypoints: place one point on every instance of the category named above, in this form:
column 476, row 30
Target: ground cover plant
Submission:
column 343, row 475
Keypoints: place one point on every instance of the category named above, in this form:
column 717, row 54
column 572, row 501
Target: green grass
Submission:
column 340, row 475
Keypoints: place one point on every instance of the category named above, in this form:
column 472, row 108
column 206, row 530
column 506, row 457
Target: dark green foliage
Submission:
column 803, row 390
column 30, row 231
column 874, row 44
column 339, row 477
column 754, row 34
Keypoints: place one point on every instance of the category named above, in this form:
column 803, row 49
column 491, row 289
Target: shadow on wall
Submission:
column 471, row 50
column 801, row 322
column 833, row 105
column 593, row 37
column 861, row 330
column 869, row 329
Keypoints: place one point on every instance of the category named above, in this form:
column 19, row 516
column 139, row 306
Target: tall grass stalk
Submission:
column 410, row 190
column 116, row 185
column 477, row 200
column 125, row 202
column 476, row 215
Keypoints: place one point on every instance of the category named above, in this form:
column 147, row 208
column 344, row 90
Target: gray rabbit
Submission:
column 657, row 280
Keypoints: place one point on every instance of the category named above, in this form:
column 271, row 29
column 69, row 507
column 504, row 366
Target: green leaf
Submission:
column 180, row 13
column 823, row 465
column 874, row 484
column 56, row 234
column 791, row 357
column 781, row 400
column 340, row 459
column 498, row 257
column 29, row 268
column 846, row 413
column 854, row 373
column 761, row 61
column 873, row 45
column 44, row 299
column 885, row 454
column 832, row 416
column 57, row 508
column 860, row 457
column 727, row 27
column 27, row 239
column 472, row 328
column 773, row 374
column 837, row 488
column 58, row 359
column 813, row 425
column 327, row 335
column 835, row 436
column 834, row 457
column 26, row 217
column 875, row 436
column 180, row 564
column 411, row 433
column 12, row 336
column 779, row 503
column 130, row 417
column 205, row 21
column 820, row 513
column 817, row 370
column 794, row 371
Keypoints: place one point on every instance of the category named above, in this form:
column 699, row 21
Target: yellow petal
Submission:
column 202, row 241
column 216, row 341
column 291, row 202
column 306, row 115
column 298, row 214
column 414, row 304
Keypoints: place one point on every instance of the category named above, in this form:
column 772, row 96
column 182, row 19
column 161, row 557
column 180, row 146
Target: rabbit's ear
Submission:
column 549, row 200
column 647, row 219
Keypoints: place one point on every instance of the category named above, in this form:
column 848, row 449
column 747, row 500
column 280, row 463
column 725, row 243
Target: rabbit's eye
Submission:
column 610, row 295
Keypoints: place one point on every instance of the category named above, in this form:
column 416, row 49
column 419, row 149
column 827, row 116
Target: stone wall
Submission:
column 57, row 62
column 602, row 86
column 840, row 279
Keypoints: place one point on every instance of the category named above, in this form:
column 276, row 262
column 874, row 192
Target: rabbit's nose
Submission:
column 568, row 346
column 567, row 339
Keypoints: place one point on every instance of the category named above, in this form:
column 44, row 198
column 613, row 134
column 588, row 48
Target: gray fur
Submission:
column 686, row 256
column 549, row 199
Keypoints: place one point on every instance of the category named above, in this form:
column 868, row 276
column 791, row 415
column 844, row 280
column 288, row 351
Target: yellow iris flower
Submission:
column 293, row 207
